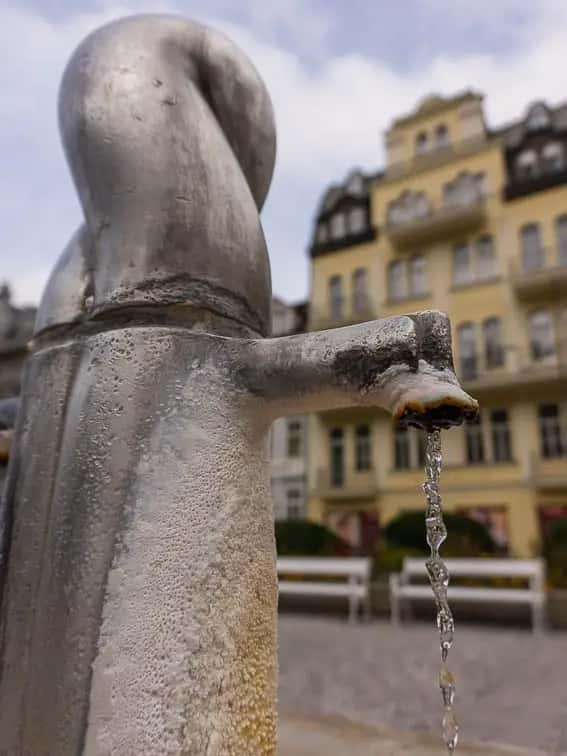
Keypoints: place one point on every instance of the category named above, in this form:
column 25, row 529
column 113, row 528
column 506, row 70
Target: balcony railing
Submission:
column 543, row 280
column 549, row 472
column 437, row 223
column 347, row 313
column 331, row 484
column 511, row 366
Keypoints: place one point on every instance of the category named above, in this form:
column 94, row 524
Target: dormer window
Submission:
column 554, row 156
column 322, row 233
column 357, row 220
column 421, row 143
column 441, row 136
column 338, row 226
column 355, row 184
column 527, row 164
column 538, row 118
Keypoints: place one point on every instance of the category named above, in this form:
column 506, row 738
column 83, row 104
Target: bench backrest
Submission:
column 533, row 569
column 340, row 566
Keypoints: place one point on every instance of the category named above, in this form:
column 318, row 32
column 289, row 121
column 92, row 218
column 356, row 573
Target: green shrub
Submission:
column 304, row 538
column 466, row 537
column 391, row 558
column 554, row 552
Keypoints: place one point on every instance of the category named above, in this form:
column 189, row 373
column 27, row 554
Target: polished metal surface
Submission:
column 137, row 556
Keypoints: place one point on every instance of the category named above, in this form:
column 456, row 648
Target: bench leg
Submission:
column 538, row 617
column 352, row 609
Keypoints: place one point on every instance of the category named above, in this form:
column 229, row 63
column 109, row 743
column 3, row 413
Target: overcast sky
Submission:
column 338, row 71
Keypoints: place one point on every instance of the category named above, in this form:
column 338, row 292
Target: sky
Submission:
column 339, row 71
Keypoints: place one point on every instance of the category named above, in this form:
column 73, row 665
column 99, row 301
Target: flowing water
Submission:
column 439, row 578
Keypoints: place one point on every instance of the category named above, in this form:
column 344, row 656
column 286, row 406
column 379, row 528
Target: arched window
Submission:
column 336, row 297
column 554, row 157
column 421, row 143
column 357, row 220
column 561, row 237
column 493, row 348
column 527, row 164
column 397, row 282
column 359, row 290
column 532, row 248
column 485, row 258
column 467, row 350
column 418, row 276
column 441, row 136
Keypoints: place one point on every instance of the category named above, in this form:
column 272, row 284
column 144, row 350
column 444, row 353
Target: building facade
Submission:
column 16, row 328
column 288, row 438
column 472, row 221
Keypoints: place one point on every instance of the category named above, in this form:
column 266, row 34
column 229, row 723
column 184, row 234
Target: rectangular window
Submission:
column 397, row 282
column 359, row 291
column 421, row 446
column 401, row 448
column 493, row 349
column 336, row 297
column 338, row 226
column 486, row 258
column 542, row 336
column 293, row 504
column 501, row 439
column 462, row 269
column 363, row 449
column 294, row 438
column 337, row 457
column 551, row 432
column 357, row 220
column 418, row 276
column 474, row 442
column 467, row 351
column 533, row 257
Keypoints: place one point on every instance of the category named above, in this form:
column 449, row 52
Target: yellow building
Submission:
column 472, row 221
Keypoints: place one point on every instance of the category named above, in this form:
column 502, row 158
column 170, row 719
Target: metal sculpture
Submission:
column 138, row 568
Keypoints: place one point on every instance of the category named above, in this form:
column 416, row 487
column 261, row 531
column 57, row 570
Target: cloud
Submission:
column 331, row 113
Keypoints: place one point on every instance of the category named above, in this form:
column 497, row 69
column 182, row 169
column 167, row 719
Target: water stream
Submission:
column 439, row 578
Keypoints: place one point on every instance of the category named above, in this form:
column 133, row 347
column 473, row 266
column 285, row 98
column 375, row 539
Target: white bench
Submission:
column 352, row 573
column 530, row 570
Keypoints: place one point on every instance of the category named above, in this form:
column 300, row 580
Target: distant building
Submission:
column 16, row 328
column 289, row 434
column 472, row 221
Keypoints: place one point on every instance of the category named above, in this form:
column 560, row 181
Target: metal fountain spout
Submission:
column 137, row 575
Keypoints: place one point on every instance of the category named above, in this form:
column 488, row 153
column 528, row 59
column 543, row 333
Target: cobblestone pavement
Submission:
column 511, row 685
column 332, row 736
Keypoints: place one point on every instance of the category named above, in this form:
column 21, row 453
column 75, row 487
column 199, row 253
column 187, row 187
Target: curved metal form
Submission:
column 138, row 566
